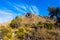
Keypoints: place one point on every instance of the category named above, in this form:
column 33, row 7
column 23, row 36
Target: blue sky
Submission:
column 10, row 8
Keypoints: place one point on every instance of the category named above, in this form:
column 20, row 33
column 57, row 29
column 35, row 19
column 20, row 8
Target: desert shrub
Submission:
column 6, row 38
column 20, row 32
column 3, row 31
column 48, row 25
column 9, row 35
column 39, row 23
column 15, row 23
column 52, row 33
column 29, row 30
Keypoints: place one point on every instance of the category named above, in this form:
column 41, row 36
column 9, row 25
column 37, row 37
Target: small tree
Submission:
column 55, row 12
column 51, row 11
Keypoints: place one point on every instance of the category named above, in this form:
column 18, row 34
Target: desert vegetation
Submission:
column 34, row 29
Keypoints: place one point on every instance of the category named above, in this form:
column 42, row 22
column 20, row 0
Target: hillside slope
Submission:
column 35, row 19
column 43, row 30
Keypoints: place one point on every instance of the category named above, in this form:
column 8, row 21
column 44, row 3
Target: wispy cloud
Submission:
column 25, row 8
column 31, row 10
column 7, row 14
column 35, row 10
column 18, row 7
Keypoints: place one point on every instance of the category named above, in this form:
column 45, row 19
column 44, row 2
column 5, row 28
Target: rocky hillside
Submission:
column 30, row 27
column 32, row 18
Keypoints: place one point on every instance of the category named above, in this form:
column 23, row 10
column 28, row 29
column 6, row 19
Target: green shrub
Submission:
column 9, row 35
column 52, row 33
column 3, row 31
column 20, row 32
column 49, row 25
column 39, row 24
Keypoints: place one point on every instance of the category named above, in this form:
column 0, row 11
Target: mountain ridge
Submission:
column 33, row 19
